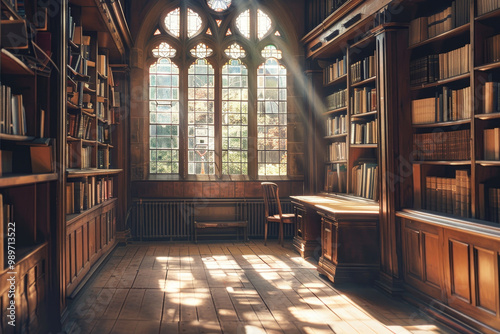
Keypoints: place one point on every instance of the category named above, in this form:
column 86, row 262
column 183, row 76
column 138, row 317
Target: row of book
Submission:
column 337, row 151
column 434, row 146
column 364, row 100
column 485, row 6
column 81, row 196
column 335, row 70
column 365, row 180
column 491, row 97
column 337, row 100
column 364, row 133
column 12, row 113
column 363, row 69
column 80, row 126
column 447, row 105
column 492, row 49
column 449, row 195
column 489, row 203
column 336, row 178
column 103, row 160
column 491, row 144
column 103, row 134
column 336, row 125
column 455, row 15
column 78, row 156
column 432, row 68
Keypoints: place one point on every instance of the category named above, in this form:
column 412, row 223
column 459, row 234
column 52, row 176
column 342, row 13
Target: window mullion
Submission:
column 183, row 119
column 252, row 122
column 218, row 121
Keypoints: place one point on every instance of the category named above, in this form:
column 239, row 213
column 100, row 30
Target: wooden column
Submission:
column 394, row 145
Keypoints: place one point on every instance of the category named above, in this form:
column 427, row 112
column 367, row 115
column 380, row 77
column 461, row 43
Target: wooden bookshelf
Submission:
column 12, row 65
column 453, row 33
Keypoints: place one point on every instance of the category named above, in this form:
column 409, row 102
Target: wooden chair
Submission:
column 273, row 210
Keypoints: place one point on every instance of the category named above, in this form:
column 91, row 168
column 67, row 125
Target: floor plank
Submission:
column 181, row 287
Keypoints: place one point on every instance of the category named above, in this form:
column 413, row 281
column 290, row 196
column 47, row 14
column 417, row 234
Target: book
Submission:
column 491, row 144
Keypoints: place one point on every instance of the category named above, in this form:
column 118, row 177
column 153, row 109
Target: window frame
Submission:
column 218, row 42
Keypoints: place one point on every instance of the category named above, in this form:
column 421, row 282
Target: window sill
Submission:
column 213, row 178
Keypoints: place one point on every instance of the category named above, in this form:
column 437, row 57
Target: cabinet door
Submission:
column 327, row 238
column 300, row 217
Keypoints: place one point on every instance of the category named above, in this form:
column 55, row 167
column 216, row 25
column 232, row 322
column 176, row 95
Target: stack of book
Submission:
column 492, row 49
column 449, row 195
column 363, row 69
column 432, row 68
column 336, row 178
column 79, row 126
column 337, row 100
column 364, row 133
column 492, row 144
column 336, row 125
column 491, row 97
column 103, row 159
column 12, row 113
column 81, row 196
column 365, row 180
column 364, row 100
column 435, row 146
column 337, row 151
column 103, row 134
column 485, row 6
column 448, row 105
column 335, row 70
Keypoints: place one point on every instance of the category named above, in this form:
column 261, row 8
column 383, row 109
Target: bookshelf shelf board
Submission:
column 88, row 112
column 334, row 111
column 12, row 180
column 88, row 90
column 73, row 45
column 13, row 65
column 70, row 219
column 486, row 16
column 443, row 81
column 342, row 135
column 8, row 137
column 86, row 142
column 366, row 114
column 364, row 145
column 489, row 116
column 488, row 67
column 72, row 106
column 444, row 163
column 336, row 162
column 364, row 41
column 7, row 7
column 78, row 75
column 102, row 120
column 101, row 99
column 336, row 81
column 487, row 163
column 439, row 38
column 72, row 139
column 364, row 82
column 90, row 63
column 110, row 146
column 442, row 124
column 78, row 173
column 71, row 83
column 102, row 76
column 103, row 145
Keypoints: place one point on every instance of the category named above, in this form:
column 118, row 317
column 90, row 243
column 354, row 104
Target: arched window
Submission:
column 218, row 94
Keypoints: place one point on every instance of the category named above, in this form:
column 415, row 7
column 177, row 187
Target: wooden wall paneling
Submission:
column 486, row 279
column 433, row 266
column 79, row 249
column 412, row 252
column 459, row 269
column 92, row 243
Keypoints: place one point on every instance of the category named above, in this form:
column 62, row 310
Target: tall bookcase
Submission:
column 29, row 112
column 350, row 92
column 91, row 196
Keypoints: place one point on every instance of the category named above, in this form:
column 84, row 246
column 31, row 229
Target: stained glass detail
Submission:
column 201, row 51
column 173, row 22
column 209, row 32
column 243, row 23
column 219, row 22
column 228, row 32
column 201, row 118
column 234, row 118
column 277, row 33
column 219, row 5
column 235, row 51
column 263, row 24
column 271, row 51
column 272, row 118
column 157, row 32
column 164, row 117
column 193, row 22
column 163, row 50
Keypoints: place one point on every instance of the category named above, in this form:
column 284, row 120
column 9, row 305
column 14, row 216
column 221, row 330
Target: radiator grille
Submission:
column 167, row 219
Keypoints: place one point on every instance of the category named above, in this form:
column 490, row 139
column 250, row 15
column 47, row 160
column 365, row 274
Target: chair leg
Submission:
column 281, row 235
column 265, row 234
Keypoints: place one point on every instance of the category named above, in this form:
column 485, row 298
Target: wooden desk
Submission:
column 347, row 228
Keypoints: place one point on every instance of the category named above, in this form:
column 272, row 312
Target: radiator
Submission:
column 173, row 219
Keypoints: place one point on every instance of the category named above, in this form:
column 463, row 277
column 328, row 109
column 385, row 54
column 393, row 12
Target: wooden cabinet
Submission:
column 307, row 239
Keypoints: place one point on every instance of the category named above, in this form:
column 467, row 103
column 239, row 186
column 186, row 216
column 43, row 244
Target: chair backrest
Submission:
column 271, row 199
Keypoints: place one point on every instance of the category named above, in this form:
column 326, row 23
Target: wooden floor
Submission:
column 230, row 288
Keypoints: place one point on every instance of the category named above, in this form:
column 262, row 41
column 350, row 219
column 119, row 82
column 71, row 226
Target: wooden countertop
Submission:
column 341, row 207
